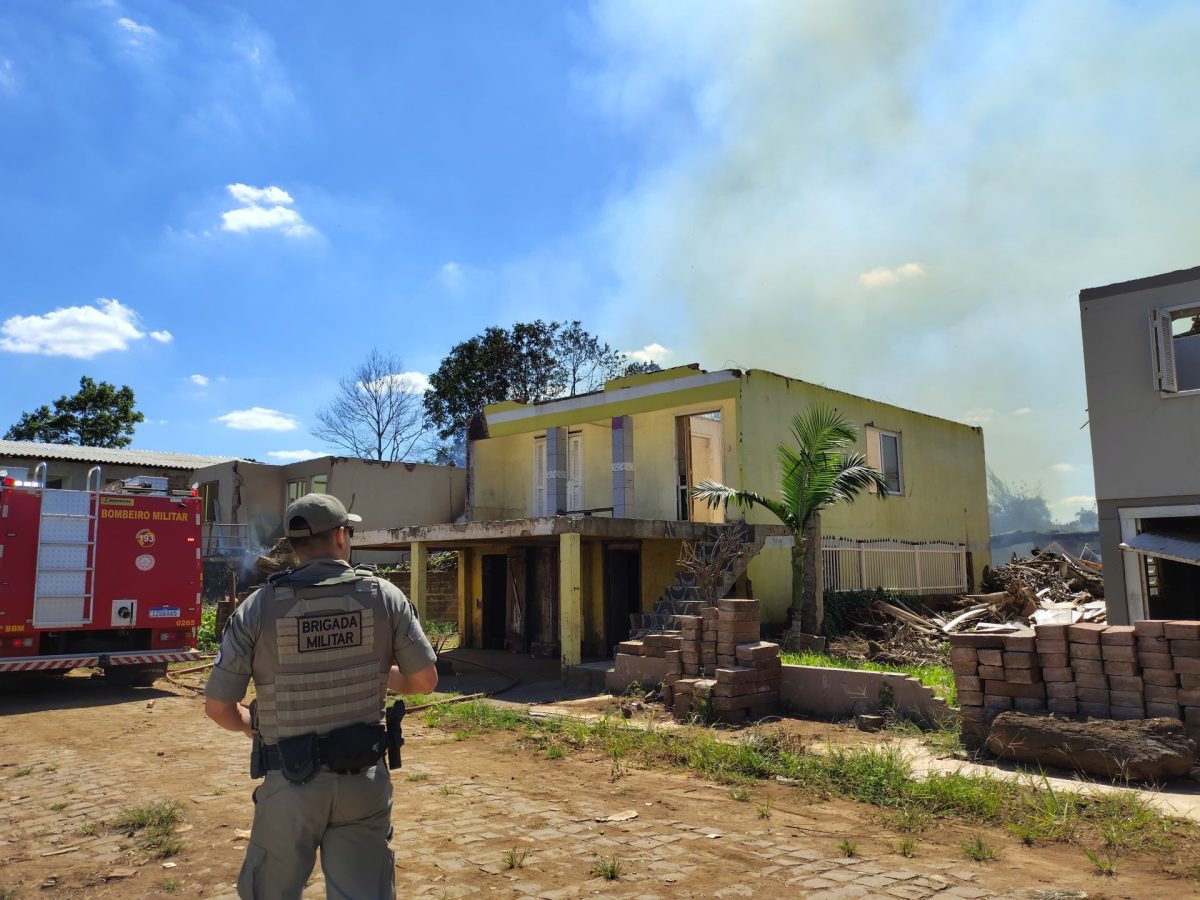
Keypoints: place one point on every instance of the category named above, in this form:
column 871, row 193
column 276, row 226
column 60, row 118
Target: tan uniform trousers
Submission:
column 347, row 816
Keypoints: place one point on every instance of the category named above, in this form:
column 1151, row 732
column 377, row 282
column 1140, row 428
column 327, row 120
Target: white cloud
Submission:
column 264, row 208
column 1023, row 411
column 135, row 28
column 650, row 353
column 451, row 275
column 1062, row 468
column 259, row 418
column 293, row 455
column 81, row 332
column 404, row 382
column 978, row 416
column 882, row 276
column 8, row 76
column 199, row 380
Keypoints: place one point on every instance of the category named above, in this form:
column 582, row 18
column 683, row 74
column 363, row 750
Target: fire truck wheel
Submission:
column 135, row 676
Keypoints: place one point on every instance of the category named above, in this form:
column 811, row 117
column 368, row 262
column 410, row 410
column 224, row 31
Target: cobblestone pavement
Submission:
column 460, row 806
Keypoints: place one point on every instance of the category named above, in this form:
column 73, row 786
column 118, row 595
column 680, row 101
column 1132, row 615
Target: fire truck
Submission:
column 107, row 577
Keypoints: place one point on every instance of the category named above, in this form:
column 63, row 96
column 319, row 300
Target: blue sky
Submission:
column 226, row 205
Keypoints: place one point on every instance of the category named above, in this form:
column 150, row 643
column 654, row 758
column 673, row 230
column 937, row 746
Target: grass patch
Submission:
column 153, row 825
column 514, row 858
column 418, row 776
column 446, row 790
column 907, row 847
column 170, row 886
column 764, row 809
column 739, row 793
column 608, row 869
column 58, row 807
column 979, row 850
column 22, row 772
column 939, row 678
column 87, row 829
column 880, row 776
column 848, row 847
column 1105, row 864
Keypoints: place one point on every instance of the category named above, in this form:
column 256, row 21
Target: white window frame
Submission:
column 1162, row 350
column 875, row 437
column 575, row 460
column 1136, row 601
column 537, row 502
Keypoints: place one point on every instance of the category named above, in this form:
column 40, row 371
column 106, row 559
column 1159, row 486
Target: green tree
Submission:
column 529, row 362
column 819, row 472
column 97, row 415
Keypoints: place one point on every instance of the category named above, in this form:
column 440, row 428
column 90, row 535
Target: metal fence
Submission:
column 929, row 567
column 225, row 539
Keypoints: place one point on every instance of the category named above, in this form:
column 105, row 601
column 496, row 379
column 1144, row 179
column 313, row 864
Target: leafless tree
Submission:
column 710, row 562
column 377, row 413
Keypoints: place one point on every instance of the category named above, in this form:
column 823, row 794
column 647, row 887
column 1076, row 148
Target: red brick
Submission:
column 1020, row 643
column 1164, row 677
column 1123, row 652
column 1057, row 674
column 1062, row 690
column 632, row 648
column 1095, row 710
column 1183, row 630
column 1189, row 697
column 1048, row 646
column 969, row 654
column 1085, row 632
column 1092, row 695
column 1120, row 635
column 971, row 713
column 1029, row 704
column 993, row 701
column 1148, row 628
column 1155, row 660
column 1054, row 660
column 1050, row 632
column 1062, row 706
column 965, row 668
column 1160, row 693
column 1191, row 715
column 737, row 617
column 1120, row 667
column 1009, row 689
column 1125, row 683
column 991, row 673
column 1086, row 651
column 731, row 604
column 1087, row 665
column 1155, row 709
column 1014, row 660
column 1190, row 682
column 969, row 683
column 986, row 657
column 674, row 661
column 1153, row 644
column 970, row 698
column 1187, row 665
column 1189, row 649
column 1023, row 676
column 978, row 641
column 1091, row 680
column 756, row 650
column 1126, row 698
column 732, row 690
column 1127, row 712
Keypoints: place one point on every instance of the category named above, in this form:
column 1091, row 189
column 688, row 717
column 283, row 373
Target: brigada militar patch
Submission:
column 329, row 631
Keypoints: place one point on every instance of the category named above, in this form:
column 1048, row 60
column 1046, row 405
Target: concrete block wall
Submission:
column 1139, row 671
column 441, row 593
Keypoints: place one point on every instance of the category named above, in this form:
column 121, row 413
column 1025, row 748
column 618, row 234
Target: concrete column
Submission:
column 464, row 609
column 419, row 577
column 556, row 469
column 570, row 601
column 622, row 467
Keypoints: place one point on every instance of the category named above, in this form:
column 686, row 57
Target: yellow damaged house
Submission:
column 578, row 508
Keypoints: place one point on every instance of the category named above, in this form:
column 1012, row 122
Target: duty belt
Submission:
column 271, row 759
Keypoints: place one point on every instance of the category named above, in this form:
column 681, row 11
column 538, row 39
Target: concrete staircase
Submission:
column 682, row 597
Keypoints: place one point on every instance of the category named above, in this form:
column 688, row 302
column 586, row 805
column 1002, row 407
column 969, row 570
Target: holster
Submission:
column 353, row 747
column 300, row 757
column 395, row 733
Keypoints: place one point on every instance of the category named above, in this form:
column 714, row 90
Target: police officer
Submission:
column 321, row 642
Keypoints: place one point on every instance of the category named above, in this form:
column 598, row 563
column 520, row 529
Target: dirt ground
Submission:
column 74, row 752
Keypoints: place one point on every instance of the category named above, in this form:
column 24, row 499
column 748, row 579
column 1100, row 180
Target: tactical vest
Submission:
column 323, row 655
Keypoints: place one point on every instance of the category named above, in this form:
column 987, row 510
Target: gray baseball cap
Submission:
column 319, row 512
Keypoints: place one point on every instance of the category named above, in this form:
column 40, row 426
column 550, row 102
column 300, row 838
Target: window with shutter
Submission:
column 884, row 455
column 872, row 437
column 539, row 477
column 1164, row 351
column 575, row 472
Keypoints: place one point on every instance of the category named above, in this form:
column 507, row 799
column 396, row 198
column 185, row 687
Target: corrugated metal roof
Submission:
column 103, row 455
column 1177, row 547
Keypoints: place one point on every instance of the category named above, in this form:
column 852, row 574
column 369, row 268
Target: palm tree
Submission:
column 818, row 473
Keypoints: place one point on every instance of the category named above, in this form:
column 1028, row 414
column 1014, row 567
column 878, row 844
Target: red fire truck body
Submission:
column 98, row 578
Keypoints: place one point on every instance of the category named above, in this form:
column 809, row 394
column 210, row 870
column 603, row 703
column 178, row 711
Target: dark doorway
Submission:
column 495, row 591
column 622, row 591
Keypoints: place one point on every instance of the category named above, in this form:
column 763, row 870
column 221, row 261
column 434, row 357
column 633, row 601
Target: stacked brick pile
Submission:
column 1170, row 657
column 1136, row 671
column 746, row 671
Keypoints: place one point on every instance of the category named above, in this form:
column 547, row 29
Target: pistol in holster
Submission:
column 395, row 733
column 258, row 765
